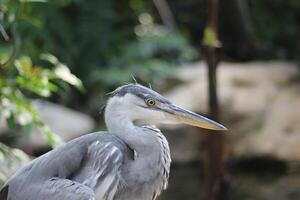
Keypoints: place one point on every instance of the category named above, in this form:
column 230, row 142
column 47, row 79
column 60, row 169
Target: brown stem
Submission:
column 213, row 20
column 216, row 180
column 166, row 15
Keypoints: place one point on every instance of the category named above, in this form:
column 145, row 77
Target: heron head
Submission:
column 142, row 104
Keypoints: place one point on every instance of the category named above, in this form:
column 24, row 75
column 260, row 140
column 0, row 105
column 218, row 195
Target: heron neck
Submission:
column 120, row 124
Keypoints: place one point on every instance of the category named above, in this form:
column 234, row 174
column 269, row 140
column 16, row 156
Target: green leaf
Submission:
column 61, row 2
column 54, row 139
column 38, row 86
column 210, row 38
column 11, row 122
column 24, row 65
column 26, row 130
column 44, row 92
column 64, row 73
column 50, row 58
column 32, row 1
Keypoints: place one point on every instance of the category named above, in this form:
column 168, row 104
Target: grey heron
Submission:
column 130, row 161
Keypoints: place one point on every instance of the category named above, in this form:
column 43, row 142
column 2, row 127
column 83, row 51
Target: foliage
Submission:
column 149, row 58
column 23, row 79
column 277, row 26
column 11, row 160
column 105, row 43
column 248, row 29
column 20, row 79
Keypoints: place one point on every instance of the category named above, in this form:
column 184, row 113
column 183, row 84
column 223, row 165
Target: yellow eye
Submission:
column 150, row 102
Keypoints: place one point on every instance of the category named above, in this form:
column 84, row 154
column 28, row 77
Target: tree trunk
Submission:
column 216, row 180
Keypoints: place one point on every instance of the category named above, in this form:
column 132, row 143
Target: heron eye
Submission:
column 150, row 102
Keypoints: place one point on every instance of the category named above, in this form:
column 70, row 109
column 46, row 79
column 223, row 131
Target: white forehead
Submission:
column 127, row 99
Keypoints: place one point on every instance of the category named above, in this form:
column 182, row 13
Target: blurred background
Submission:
column 60, row 58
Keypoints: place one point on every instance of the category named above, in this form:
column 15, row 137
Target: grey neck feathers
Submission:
column 120, row 124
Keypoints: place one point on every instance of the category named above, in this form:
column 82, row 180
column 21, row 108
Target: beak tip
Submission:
column 224, row 128
column 216, row 126
column 220, row 127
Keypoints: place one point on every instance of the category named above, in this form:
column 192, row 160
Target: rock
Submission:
column 279, row 134
column 260, row 106
column 184, row 143
column 237, row 83
column 186, row 182
column 65, row 122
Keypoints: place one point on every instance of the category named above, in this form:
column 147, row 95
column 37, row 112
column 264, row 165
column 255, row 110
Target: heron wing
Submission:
column 57, row 188
column 102, row 169
column 53, row 189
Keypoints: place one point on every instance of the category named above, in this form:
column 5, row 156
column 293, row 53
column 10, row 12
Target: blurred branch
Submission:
column 3, row 33
column 13, row 51
column 245, row 15
column 166, row 15
column 217, row 182
column 11, row 55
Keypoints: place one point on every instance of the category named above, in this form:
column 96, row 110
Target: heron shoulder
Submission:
column 102, row 168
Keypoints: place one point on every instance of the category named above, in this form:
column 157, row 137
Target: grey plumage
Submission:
column 129, row 162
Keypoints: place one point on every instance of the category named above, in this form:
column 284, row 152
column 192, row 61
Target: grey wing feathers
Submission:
column 57, row 188
column 102, row 170
column 83, row 169
column 53, row 189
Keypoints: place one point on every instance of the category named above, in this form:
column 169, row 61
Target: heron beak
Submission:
column 181, row 115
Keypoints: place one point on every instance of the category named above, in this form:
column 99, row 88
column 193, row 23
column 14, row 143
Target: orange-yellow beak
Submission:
column 180, row 115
